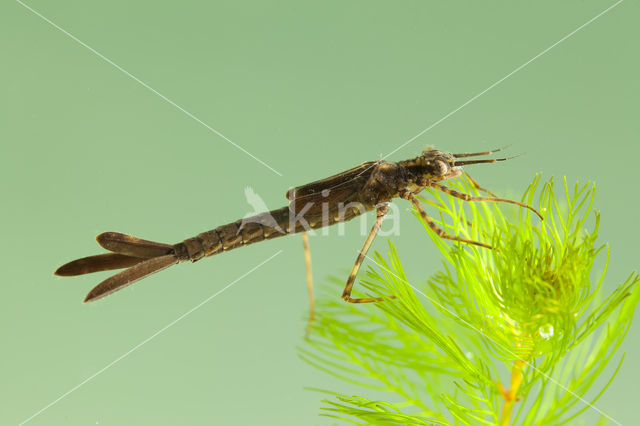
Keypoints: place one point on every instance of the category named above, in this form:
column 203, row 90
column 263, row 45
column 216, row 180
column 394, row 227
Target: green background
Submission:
column 310, row 88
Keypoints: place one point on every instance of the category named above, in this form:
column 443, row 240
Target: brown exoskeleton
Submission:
column 369, row 186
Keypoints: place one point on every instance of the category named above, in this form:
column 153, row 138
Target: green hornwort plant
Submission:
column 516, row 335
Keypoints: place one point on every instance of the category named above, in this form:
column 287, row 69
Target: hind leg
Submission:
column 307, row 262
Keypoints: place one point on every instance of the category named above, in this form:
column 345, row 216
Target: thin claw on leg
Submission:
column 365, row 299
column 439, row 231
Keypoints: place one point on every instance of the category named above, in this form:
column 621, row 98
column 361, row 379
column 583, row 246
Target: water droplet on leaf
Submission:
column 546, row 331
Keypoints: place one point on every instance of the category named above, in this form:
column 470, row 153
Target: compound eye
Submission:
column 441, row 168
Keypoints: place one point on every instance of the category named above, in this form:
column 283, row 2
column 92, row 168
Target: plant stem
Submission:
column 510, row 395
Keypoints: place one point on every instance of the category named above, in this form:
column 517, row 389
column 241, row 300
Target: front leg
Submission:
column 346, row 294
column 467, row 197
column 477, row 185
column 408, row 195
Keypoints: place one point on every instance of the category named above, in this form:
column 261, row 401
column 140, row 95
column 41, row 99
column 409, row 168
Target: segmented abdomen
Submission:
column 264, row 226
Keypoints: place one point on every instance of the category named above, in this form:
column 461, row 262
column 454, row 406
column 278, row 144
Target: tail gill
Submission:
column 141, row 258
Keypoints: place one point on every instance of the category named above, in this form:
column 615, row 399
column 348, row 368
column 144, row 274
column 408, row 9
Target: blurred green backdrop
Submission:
column 310, row 88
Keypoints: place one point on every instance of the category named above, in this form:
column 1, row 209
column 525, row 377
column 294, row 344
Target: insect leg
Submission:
column 477, row 185
column 468, row 197
column 442, row 207
column 307, row 262
column 346, row 294
column 439, row 231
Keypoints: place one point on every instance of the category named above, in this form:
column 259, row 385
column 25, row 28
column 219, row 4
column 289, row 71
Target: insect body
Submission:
column 370, row 186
